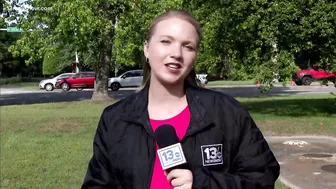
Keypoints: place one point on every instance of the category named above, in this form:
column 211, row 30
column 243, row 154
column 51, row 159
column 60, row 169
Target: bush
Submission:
column 11, row 80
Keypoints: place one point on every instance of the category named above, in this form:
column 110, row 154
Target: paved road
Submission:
column 18, row 96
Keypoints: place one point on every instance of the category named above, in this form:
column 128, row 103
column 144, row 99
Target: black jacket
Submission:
column 124, row 146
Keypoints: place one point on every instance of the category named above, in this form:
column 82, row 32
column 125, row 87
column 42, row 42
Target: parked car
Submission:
column 79, row 81
column 307, row 76
column 132, row 78
column 202, row 78
column 49, row 84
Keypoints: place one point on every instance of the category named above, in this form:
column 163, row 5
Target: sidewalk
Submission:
column 307, row 162
column 4, row 91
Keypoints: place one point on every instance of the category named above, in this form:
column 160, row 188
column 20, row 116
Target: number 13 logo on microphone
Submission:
column 212, row 154
column 171, row 156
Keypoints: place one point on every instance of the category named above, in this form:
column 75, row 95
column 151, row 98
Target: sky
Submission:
column 20, row 9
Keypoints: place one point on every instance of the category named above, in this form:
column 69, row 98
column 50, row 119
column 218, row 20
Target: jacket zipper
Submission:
column 153, row 158
column 151, row 171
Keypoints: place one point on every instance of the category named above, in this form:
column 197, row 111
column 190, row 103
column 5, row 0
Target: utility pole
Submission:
column 77, row 68
column 76, row 55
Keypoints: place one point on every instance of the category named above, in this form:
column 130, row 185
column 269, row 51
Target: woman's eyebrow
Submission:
column 184, row 42
column 168, row 36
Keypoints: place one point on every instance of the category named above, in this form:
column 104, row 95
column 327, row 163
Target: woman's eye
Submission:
column 165, row 41
column 189, row 47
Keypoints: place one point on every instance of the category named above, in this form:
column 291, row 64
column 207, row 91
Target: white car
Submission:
column 202, row 78
column 132, row 78
column 49, row 84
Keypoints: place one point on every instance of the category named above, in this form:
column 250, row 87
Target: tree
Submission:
column 9, row 66
column 261, row 37
column 88, row 25
column 132, row 27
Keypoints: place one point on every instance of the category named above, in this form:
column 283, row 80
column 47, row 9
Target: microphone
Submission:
column 170, row 150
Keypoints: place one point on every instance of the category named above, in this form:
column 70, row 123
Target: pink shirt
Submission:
column 180, row 123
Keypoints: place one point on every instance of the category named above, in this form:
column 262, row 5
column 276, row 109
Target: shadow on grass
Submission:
column 293, row 107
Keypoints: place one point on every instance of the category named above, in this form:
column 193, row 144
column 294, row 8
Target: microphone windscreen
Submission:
column 165, row 135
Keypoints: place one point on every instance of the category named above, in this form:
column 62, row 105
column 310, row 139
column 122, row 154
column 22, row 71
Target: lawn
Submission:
column 228, row 82
column 23, row 85
column 248, row 82
column 49, row 145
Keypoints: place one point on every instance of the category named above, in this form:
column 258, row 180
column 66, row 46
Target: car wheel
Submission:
column 115, row 86
column 79, row 89
column 65, row 87
column 306, row 80
column 49, row 87
column 298, row 83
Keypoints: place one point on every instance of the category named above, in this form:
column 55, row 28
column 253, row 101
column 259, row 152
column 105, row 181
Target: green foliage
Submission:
column 132, row 27
column 287, row 65
column 7, row 39
column 244, row 34
column 86, row 25
column 50, row 64
column 243, row 40
column 11, row 80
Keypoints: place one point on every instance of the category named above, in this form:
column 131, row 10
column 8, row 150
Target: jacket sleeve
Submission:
column 98, row 175
column 254, row 165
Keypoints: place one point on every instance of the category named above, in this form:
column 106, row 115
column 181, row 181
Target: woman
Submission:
column 222, row 145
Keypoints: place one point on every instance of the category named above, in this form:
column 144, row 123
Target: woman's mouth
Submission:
column 174, row 66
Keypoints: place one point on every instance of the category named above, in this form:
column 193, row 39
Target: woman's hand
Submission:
column 180, row 178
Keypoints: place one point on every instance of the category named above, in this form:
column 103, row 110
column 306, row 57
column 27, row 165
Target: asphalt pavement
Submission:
column 14, row 96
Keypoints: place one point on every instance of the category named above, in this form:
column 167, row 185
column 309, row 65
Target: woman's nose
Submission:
column 175, row 52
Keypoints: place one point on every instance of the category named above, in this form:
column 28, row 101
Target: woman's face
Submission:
column 172, row 50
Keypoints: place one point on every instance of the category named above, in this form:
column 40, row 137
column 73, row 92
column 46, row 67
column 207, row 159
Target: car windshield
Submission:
column 132, row 73
column 64, row 76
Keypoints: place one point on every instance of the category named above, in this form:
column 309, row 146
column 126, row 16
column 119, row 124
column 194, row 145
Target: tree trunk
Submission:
column 102, row 71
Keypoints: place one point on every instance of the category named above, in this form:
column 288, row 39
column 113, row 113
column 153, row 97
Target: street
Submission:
column 15, row 96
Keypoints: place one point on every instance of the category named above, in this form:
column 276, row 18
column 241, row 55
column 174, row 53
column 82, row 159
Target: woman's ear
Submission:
column 146, row 49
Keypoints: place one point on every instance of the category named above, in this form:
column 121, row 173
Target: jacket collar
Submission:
column 135, row 110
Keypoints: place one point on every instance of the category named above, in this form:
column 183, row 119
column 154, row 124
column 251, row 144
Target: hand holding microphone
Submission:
column 180, row 178
column 172, row 158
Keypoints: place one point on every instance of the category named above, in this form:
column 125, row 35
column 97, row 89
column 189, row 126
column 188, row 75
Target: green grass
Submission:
column 302, row 114
column 23, row 85
column 227, row 82
column 279, row 185
column 49, row 145
column 251, row 82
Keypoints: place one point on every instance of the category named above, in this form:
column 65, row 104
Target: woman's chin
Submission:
column 171, row 80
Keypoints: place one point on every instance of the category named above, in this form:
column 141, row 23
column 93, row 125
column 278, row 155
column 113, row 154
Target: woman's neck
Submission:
column 165, row 94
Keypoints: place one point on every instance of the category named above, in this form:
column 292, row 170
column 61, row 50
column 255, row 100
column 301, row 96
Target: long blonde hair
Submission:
column 191, row 78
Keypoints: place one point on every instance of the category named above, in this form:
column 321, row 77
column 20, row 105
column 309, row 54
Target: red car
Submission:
column 307, row 76
column 79, row 81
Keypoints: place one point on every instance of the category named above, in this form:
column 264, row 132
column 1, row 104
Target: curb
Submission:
column 16, row 92
column 303, row 136
column 287, row 183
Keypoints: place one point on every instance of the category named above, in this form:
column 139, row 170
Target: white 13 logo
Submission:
column 211, row 153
